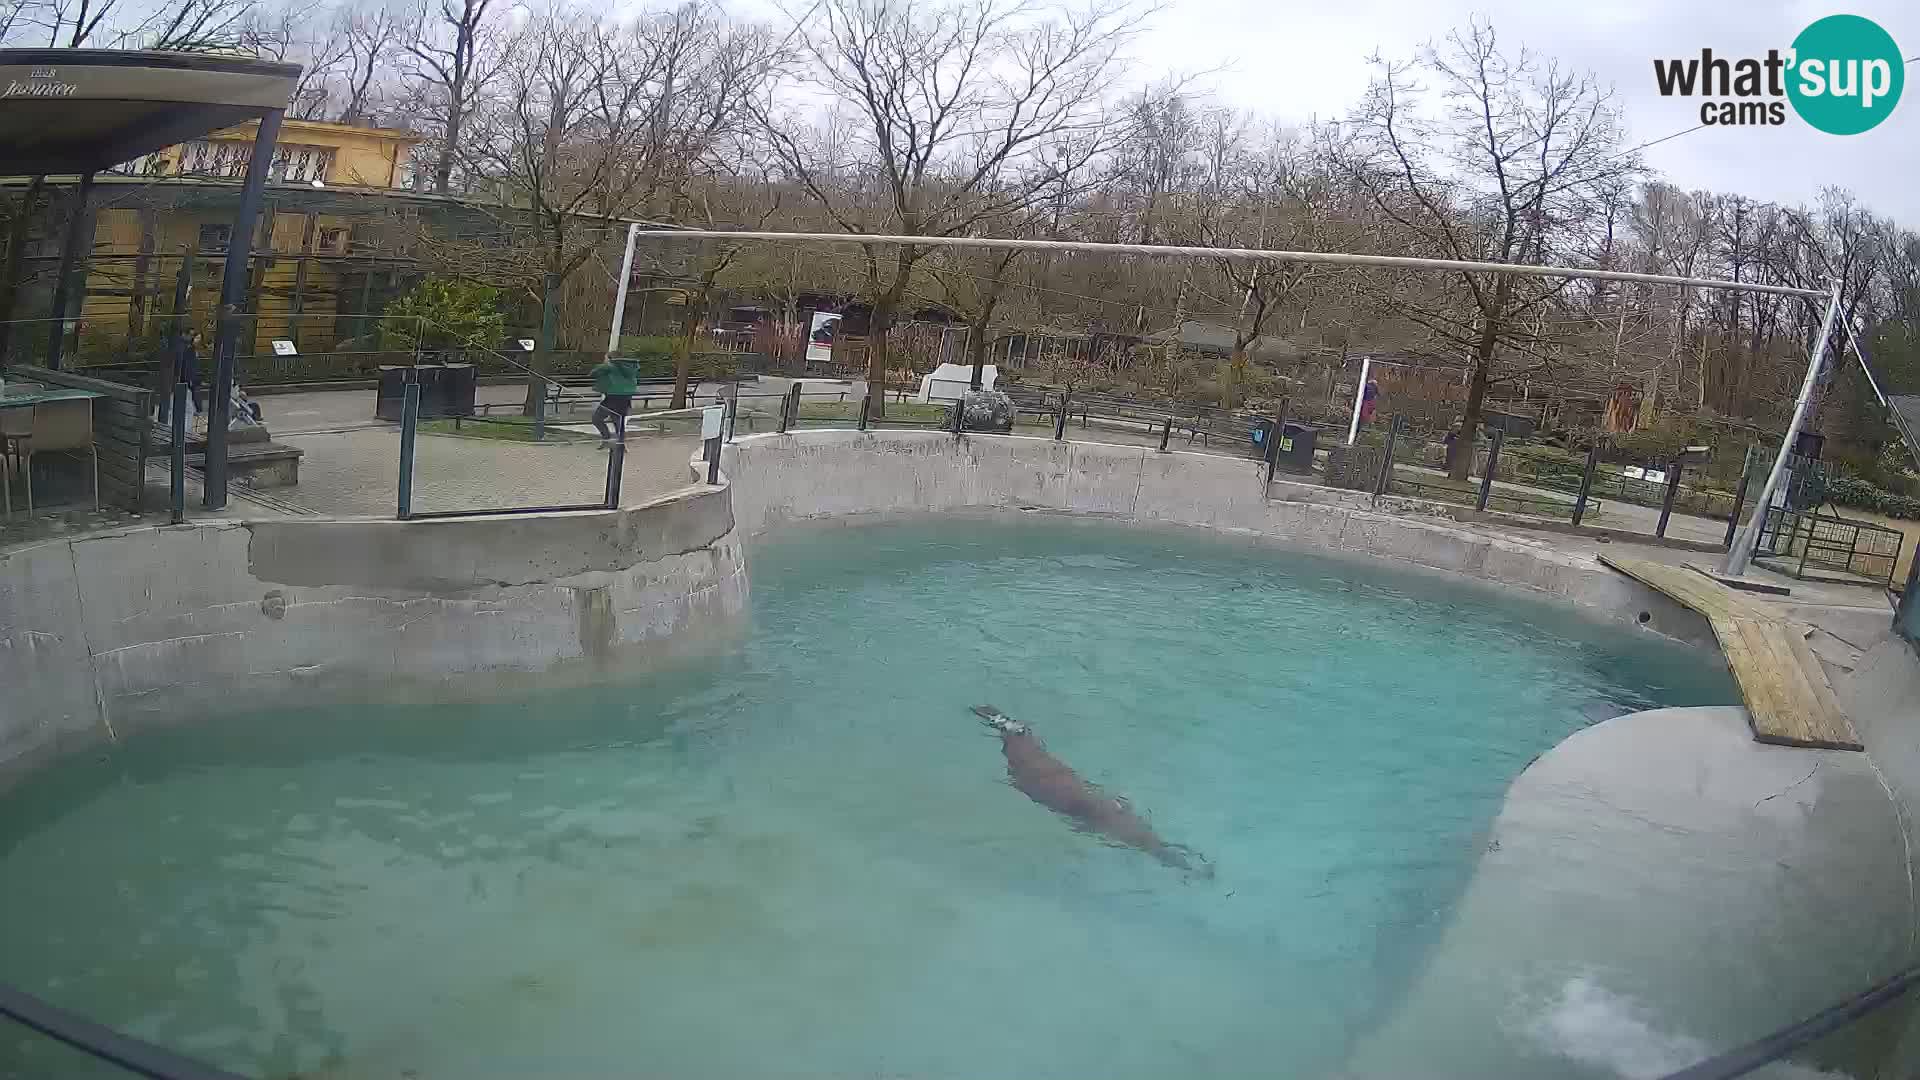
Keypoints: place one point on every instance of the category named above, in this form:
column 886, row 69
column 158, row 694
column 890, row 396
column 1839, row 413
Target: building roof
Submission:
column 1197, row 334
column 291, row 130
column 83, row 110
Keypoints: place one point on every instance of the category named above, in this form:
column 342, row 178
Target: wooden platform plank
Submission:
column 1788, row 698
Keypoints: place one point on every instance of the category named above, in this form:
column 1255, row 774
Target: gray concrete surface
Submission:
column 103, row 632
column 1656, row 889
column 845, row 474
column 356, row 473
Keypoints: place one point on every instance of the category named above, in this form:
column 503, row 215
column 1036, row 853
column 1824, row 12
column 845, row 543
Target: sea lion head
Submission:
column 999, row 721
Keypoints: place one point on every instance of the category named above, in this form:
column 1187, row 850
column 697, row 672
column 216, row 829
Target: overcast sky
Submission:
column 1296, row 62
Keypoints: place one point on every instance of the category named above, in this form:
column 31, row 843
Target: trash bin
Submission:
column 457, row 388
column 390, row 398
column 1296, row 448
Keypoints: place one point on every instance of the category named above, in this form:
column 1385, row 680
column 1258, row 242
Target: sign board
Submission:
column 711, row 419
column 526, row 344
column 283, row 347
column 826, row 324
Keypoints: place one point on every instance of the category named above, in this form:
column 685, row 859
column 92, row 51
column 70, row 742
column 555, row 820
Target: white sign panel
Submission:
column 711, row 418
column 283, row 347
column 826, row 325
column 526, row 344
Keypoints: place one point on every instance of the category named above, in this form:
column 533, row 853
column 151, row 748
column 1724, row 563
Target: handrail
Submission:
column 1743, row 1060
column 134, row 1055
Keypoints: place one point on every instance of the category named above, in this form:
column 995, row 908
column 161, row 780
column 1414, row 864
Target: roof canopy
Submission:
column 83, row 110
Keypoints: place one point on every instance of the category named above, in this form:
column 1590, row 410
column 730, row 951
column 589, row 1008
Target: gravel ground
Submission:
column 357, row 472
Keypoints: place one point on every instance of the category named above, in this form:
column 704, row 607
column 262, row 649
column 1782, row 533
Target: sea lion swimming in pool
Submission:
column 1048, row 781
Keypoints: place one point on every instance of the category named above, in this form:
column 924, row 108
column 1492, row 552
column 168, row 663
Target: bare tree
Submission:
column 1508, row 171
column 949, row 105
column 449, row 62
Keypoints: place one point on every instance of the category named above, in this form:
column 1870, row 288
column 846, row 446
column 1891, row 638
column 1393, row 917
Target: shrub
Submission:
column 443, row 313
column 1855, row 492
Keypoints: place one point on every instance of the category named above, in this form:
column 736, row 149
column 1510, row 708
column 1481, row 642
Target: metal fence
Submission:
column 1814, row 546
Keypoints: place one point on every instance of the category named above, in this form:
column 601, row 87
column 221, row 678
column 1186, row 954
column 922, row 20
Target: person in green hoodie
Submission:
column 618, row 379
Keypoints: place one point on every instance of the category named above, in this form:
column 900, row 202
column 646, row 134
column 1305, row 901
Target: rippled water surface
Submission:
column 803, row 858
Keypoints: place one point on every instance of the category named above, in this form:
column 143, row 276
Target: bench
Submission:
column 253, row 458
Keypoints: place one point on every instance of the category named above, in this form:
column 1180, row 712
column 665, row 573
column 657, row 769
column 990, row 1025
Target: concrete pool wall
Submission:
column 838, row 474
column 1656, row 888
column 100, row 633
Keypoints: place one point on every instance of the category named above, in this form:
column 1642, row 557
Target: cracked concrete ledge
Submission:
column 102, row 633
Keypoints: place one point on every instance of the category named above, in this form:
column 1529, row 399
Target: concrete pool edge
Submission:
column 822, row 474
column 106, row 632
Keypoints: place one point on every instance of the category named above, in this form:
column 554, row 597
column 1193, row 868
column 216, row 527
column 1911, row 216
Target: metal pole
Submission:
column 959, row 416
column 1060, row 420
column 1739, row 495
column 1740, row 553
column 1586, row 483
column 177, row 451
column 409, row 422
column 1272, row 446
column 866, row 407
column 1359, row 395
column 1381, row 482
column 1333, row 258
column 1278, row 433
column 620, row 291
column 785, row 401
column 1166, row 432
column 233, row 289
column 733, row 406
column 1493, row 466
column 713, row 461
column 62, row 285
column 616, row 471
column 1666, row 504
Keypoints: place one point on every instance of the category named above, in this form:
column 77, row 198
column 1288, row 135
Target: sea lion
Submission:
column 1048, row 781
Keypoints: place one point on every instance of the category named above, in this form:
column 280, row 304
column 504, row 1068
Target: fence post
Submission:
column 866, row 409
column 1739, row 495
column 959, row 416
column 409, row 421
column 1586, row 483
column 1382, row 482
column 177, row 467
column 616, row 470
column 1666, row 504
column 733, row 406
column 1493, row 465
column 785, row 403
column 1166, row 432
column 713, row 461
column 1274, row 436
column 1060, row 420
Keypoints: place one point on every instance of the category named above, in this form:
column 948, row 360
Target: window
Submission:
column 228, row 160
column 215, row 237
column 332, row 242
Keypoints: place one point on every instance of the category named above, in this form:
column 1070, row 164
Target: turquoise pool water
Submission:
column 803, row 859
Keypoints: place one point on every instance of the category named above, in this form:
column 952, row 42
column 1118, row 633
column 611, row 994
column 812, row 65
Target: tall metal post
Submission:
column 866, row 408
column 233, row 289
column 1382, row 483
column 1166, row 432
column 409, row 424
column 1739, row 495
column 69, row 255
column 713, row 461
column 959, row 416
column 1493, row 466
column 1586, row 482
column 1740, row 552
column 177, row 452
column 620, row 291
column 616, row 471
column 1666, row 504
column 549, row 319
column 1060, row 420
column 1278, row 433
column 1359, row 396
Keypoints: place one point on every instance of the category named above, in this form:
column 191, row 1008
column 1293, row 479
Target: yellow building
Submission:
column 307, row 235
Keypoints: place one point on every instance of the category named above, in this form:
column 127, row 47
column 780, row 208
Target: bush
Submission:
column 1855, row 492
column 443, row 313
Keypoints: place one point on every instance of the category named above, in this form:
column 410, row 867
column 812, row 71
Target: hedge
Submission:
column 1855, row 492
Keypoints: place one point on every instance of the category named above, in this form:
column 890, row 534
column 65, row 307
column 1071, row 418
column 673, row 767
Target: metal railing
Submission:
column 1800, row 542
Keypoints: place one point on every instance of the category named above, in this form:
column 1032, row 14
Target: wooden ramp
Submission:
column 1789, row 700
